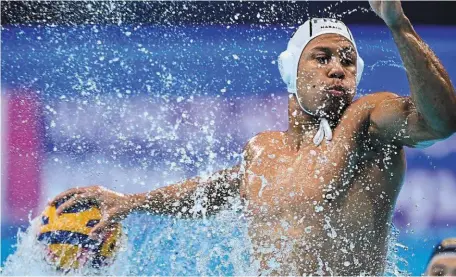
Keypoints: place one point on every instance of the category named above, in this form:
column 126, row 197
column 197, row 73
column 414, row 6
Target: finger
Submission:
column 98, row 230
column 65, row 195
column 109, row 221
column 77, row 199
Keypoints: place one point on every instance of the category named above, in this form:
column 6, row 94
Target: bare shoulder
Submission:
column 262, row 141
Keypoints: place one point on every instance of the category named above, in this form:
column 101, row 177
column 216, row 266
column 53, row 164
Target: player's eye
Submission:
column 322, row 59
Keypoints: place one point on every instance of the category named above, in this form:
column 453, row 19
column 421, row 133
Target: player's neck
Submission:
column 302, row 127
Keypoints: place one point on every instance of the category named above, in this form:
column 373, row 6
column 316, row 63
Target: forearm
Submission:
column 181, row 199
column 431, row 90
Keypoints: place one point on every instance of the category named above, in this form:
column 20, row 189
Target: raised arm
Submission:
column 429, row 114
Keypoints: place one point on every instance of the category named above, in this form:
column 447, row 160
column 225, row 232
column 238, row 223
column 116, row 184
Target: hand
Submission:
column 389, row 10
column 113, row 206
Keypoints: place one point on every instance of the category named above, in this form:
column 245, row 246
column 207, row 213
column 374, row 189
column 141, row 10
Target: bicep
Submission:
column 396, row 120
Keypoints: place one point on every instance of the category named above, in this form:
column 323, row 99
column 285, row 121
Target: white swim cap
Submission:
column 289, row 59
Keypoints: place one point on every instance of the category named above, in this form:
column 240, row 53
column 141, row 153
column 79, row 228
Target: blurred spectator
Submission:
column 443, row 260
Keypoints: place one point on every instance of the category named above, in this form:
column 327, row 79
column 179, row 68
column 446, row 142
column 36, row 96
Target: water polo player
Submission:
column 320, row 195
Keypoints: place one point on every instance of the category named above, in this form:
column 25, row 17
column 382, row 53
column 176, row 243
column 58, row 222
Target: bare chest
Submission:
column 286, row 196
column 286, row 178
column 354, row 185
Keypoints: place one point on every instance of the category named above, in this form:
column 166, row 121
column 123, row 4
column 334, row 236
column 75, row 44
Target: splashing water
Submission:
column 395, row 264
column 155, row 245
column 163, row 246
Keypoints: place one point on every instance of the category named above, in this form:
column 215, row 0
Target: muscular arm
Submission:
column 194, row 197
column 180, row 199
column 429, row 114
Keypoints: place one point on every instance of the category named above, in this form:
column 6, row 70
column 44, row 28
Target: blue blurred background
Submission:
column 135, row 106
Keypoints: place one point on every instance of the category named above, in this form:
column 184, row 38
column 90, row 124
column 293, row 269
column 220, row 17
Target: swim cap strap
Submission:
column 324, row 130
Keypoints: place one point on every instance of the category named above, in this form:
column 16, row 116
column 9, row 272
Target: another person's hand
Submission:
column 113, row 206
column 389, row 10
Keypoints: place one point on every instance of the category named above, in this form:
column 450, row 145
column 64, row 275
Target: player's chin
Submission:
column 333, row 108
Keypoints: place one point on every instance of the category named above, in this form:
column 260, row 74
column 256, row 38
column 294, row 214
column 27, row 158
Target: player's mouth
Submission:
column 336, row 90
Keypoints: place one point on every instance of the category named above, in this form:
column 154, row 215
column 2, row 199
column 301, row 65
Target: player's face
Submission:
column 442, row 265
column 326, row 82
